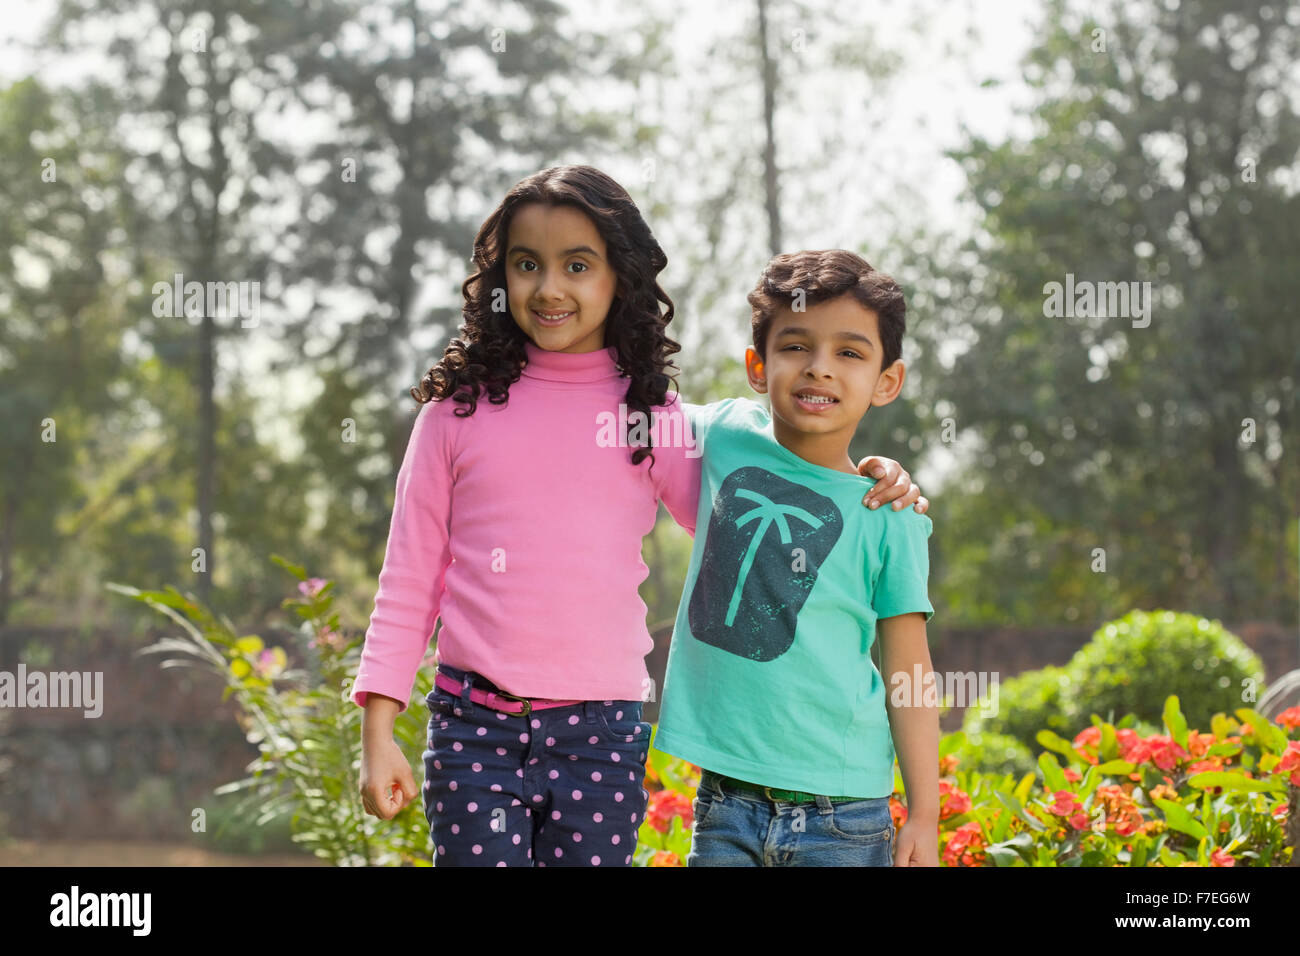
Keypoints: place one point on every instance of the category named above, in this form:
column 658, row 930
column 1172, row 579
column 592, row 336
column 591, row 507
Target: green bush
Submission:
column 1027, row 703
column 1129, row 668
column 989, row 752
column 1131, row 665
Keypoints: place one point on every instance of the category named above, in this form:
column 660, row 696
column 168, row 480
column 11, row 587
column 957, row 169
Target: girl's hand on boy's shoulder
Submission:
column 893, row 483
column 917, row 844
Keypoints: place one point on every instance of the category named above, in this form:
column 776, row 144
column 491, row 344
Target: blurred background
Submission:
column 341, row 154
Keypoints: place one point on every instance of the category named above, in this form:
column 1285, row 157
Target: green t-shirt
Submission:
column 770, row 677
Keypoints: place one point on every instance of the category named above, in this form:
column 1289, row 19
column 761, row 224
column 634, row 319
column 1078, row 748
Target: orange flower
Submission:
column 1162, row 792
column 1072, row 775
column 897, row 811
column 666, row 858
column 1290, row 718
column 1198, row 743
column 948, row 764
column 1221, row 857
column 666, row 804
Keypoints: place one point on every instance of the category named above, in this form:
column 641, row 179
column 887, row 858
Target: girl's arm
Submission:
column 415, row 561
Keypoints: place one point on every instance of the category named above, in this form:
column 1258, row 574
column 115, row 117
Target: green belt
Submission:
column 774, row 793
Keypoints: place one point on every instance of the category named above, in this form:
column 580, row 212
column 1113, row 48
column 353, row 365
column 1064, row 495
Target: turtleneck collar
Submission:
column 570, row 367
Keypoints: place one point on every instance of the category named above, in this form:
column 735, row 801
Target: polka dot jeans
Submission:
column 560, row 787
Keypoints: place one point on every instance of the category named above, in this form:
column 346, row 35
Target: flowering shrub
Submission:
column 304, row 723
column 1181, row 798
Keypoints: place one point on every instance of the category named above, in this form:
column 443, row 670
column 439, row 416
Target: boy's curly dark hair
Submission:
column 822, row 275
column 489, row 354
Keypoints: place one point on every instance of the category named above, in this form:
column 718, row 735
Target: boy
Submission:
column 770, row 687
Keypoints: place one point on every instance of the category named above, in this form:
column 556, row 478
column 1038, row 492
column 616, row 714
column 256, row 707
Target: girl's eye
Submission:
column 583, row 265
column 526, row 262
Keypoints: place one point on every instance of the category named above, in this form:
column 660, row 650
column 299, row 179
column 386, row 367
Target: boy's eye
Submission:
column 789, row 347
column 850, row 352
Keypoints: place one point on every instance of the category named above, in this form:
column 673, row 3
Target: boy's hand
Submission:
column 384, row 768
column 917, row 844
column 893, row 482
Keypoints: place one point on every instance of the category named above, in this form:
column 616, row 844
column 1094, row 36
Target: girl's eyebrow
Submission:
column 567, row 252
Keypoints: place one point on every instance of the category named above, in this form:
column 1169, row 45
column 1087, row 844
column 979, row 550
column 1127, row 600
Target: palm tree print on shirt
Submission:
column 750, row 587
column 767, row 513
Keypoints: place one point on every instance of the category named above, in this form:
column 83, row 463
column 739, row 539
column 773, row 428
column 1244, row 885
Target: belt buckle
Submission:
column 528, row 706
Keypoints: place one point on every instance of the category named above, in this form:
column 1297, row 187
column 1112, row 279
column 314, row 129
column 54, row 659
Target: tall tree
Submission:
column 1147, row 456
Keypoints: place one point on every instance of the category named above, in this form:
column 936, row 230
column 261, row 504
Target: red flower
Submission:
column 1165, row 751
column 1065, row 804
column 1072, row 775
column 1089, row 738
column 1221, row 857
column 1133, row 749
column 1290, row 761
column 952, row 801
column 1290, row 718
column 665, row 858
column 965, row 846
column 666, row 804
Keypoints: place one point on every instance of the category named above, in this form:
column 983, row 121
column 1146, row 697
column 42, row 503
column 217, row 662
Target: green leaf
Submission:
column 1109, row 748
column 1024, row 787
column 1236, row 781
column 950, row 742
column 1052, row 773
column 1175, row 721
column 1011, row 803
column 1058, row 744
column 1179, row 819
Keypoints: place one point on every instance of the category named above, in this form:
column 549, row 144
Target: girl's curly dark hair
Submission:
column 489, row 353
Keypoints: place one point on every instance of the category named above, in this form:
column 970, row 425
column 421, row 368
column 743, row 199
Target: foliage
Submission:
column 1129, row 666
column 1107, row 797
column 304, row 723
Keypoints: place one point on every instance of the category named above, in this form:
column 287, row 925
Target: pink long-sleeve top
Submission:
column 521, row 527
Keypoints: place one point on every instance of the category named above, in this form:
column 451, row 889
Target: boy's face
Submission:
column 559, row 282
column 822, row 370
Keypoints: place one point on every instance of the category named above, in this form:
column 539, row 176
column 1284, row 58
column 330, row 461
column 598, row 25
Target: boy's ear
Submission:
column 889, row 384
column 754, row 369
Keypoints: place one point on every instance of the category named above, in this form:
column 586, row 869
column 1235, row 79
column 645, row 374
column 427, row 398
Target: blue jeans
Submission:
column 736, row 827
column 561, row 787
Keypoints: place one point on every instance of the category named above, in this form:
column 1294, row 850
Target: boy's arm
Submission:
column 893, row 484
column 915, row 728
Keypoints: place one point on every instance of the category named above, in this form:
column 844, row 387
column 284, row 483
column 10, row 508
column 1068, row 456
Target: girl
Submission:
column 518, row 522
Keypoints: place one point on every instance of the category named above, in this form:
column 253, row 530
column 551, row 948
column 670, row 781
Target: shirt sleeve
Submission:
column 415, row 562
column 900, row 585
column 676, row 470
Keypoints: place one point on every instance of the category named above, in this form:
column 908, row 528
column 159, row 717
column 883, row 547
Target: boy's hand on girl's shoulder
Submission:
column 893, row 483
column 917, row 844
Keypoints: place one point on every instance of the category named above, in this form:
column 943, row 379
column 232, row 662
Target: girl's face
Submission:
column 558, row 282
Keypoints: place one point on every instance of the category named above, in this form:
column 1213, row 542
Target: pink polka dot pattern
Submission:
column 550, row 789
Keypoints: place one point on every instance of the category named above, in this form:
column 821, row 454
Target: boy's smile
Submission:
column 558, row 280
column 821, row 374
